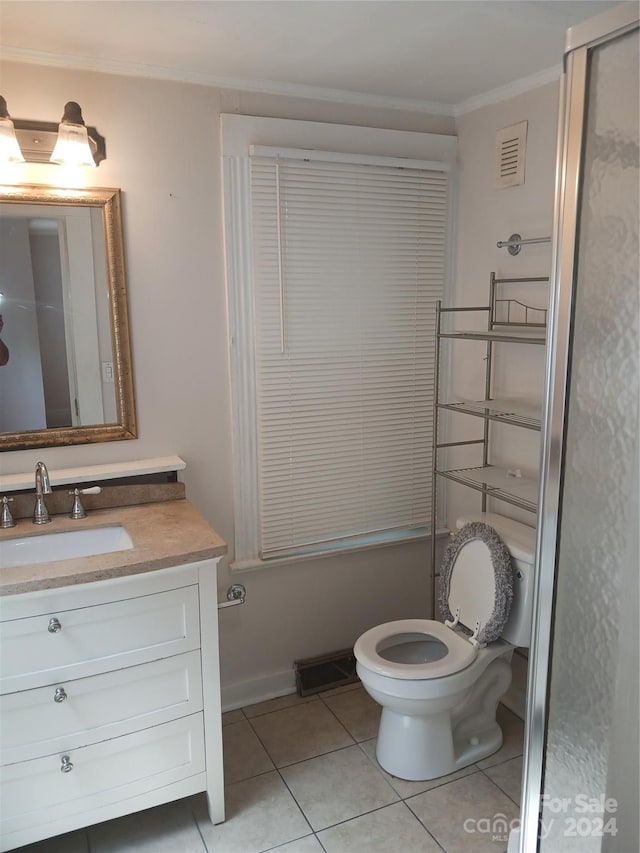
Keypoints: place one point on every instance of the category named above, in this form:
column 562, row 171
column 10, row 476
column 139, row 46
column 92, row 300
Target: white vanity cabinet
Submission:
column 109, row 700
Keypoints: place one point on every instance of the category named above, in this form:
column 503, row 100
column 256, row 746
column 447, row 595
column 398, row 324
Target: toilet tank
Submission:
column 520, row 539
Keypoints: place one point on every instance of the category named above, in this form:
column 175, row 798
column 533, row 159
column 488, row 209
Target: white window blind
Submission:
column 349, row 261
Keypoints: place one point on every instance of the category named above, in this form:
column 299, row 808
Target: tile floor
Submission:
column 301, row 777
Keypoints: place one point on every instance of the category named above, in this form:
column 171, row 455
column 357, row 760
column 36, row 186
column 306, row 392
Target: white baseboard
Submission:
column 258, row 689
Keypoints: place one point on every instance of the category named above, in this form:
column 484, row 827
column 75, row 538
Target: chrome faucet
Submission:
column 43, row 487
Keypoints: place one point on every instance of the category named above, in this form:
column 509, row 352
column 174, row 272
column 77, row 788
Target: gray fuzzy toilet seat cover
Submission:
column 501, row 559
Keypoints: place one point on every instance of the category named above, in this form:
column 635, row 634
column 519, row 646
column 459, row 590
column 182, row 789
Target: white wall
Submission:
column 486, row 215
column 163, row 151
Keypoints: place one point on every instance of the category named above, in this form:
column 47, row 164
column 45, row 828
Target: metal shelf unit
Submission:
column 508, row 321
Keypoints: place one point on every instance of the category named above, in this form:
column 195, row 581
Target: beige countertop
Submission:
column 168, row 533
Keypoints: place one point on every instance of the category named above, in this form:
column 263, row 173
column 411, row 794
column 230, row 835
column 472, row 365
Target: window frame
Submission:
column 238, row 136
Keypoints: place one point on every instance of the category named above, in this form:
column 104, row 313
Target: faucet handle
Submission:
column 77, row 510
column 6, row 519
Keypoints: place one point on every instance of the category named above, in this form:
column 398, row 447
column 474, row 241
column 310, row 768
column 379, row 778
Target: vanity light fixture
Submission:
column 69, row 143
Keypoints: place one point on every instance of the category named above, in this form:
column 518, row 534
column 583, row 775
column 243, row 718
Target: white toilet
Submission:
column 439, row 684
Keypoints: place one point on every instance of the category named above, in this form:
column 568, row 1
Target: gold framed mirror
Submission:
column 65, row 354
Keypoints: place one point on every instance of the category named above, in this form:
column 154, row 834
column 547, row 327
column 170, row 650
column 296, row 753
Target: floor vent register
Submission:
column 325, row 672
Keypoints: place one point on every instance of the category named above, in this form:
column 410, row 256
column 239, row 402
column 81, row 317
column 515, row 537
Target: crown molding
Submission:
column 510, row 90
column 265, row 87
column 269, row 87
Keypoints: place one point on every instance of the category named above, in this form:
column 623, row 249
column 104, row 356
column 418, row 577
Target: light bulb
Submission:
column 9, row 148
column 72, row 146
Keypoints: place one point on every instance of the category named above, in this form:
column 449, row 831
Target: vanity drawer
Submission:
column 37, row 792
column 70, row 644
column 70, row 714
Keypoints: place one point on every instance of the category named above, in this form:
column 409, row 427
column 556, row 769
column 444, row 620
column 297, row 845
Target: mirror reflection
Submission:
column 64, row 353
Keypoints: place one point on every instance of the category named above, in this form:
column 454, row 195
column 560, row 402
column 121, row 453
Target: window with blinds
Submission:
column 348, row 261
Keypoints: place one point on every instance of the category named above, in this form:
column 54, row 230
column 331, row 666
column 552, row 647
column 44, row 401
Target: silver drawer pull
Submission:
column 65, row 764
column 54, row 626
column 60, row 695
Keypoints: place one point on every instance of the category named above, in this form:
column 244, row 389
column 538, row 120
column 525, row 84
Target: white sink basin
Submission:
column 50, row 547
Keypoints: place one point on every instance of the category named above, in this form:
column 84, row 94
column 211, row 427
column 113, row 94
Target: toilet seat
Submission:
column 460, row 652
column 476, row 583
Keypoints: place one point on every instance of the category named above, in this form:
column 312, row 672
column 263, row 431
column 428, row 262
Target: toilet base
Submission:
column 415, row 748
column 422, row 747
column 436, row 754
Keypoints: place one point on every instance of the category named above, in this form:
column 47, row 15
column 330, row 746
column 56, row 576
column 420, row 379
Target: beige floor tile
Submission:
column 308, row 844
column 230, row 717
column 70, row 842
column 335, row 691
column 300, row 732
column 260, row 814
column 163, row 829
column 394, row 828
column 244, row 755
column 276, row 704
column 338, row 786
column 357, row 712
column 409, row 789
column 470, row 814
column 513, row 736
column 508, row 776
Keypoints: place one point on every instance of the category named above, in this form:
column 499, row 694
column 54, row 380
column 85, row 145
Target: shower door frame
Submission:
column 581, row 40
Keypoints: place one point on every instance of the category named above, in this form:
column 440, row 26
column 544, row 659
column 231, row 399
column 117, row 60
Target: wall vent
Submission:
column 511, row 146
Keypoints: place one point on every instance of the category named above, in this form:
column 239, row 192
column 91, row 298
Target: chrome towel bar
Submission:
column 515, row 243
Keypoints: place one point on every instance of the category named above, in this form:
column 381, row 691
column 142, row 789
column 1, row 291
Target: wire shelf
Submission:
column 508, row 411
column 530, row 335
column 498, row 483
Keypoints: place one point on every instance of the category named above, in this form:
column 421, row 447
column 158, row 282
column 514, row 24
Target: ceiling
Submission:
column 436, row 55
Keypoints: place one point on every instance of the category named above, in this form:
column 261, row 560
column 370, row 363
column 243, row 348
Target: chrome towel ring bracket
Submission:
column 236, row 594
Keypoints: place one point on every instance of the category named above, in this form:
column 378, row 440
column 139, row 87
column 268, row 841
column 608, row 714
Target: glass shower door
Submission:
column 581, row 764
